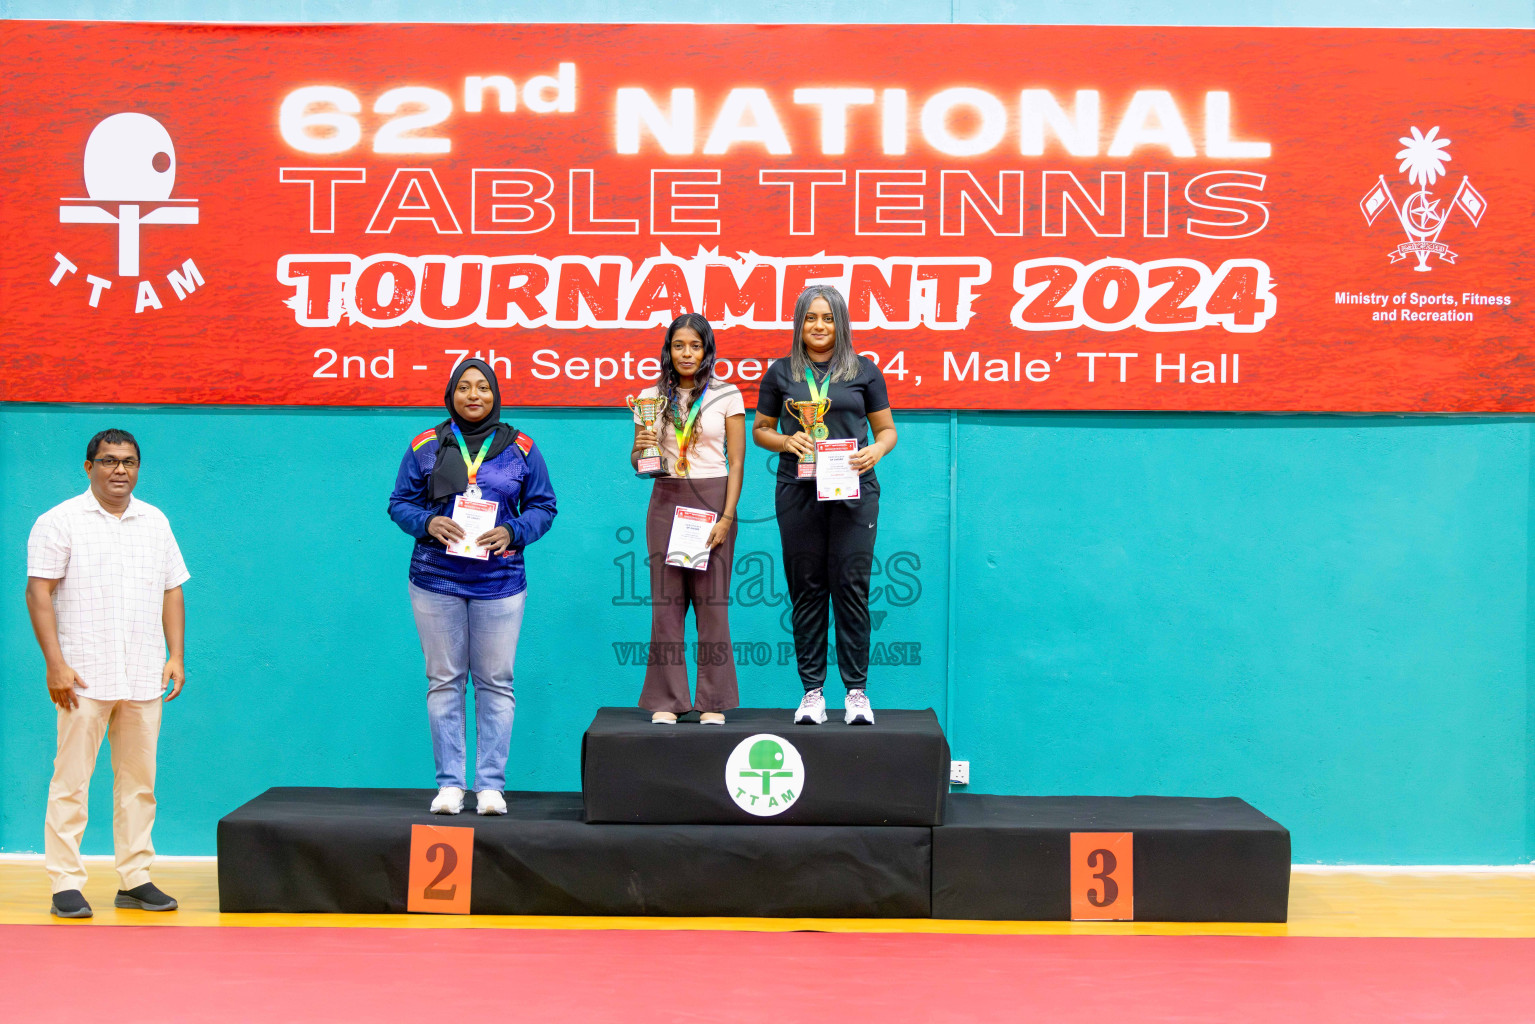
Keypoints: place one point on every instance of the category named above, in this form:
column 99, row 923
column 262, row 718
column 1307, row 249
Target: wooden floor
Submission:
column 1436, row 903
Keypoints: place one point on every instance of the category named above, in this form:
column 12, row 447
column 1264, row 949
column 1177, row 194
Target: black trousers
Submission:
column 828, row 552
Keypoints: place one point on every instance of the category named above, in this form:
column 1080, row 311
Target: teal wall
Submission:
column 1325, row 616
column 1328, row 616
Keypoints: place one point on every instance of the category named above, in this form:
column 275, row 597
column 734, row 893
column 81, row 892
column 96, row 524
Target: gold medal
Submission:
column 819, row 432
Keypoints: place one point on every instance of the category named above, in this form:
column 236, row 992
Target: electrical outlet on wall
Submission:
column 959, row 773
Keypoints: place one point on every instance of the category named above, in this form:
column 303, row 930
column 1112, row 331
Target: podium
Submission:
column 895, row 772
column 1193, row 859
column 346, row 851
column 762, row 818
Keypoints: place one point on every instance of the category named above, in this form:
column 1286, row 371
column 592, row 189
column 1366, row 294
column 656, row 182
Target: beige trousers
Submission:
column 133, row 729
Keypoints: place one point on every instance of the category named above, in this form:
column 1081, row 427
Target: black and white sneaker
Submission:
column 812, row 710
column 858, row 711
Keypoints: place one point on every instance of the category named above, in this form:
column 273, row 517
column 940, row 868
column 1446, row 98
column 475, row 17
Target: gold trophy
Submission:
column 811, row 415
column 650, row 462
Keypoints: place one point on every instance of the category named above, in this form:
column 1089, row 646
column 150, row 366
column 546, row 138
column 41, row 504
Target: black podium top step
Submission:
column 759, row 768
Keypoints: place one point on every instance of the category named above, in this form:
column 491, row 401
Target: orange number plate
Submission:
column 441, row 867
column 1102, row 876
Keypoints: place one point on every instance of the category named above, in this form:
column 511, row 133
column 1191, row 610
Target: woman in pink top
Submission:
column 702, row 437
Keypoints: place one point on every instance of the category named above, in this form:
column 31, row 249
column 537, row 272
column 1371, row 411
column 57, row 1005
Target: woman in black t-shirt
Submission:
column 828, row 546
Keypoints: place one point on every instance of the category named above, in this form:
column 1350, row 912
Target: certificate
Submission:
column 835, row 477
column 689, row 543
column 477, row 518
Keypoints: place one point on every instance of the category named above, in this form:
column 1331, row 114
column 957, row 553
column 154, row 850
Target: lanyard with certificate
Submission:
column 684, row 430
column 471, row 465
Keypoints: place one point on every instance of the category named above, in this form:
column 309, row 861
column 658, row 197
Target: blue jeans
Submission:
column 463, row 639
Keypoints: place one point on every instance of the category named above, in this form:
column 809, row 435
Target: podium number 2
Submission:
column 1102, row 876
column 441, row 869
column 449, row 862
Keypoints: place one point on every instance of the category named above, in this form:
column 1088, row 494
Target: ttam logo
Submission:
column 130, row 173
column 764, row 775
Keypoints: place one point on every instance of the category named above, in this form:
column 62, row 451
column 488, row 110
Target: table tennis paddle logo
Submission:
column 764, row 775
column 1420, row 215
column 130, row 174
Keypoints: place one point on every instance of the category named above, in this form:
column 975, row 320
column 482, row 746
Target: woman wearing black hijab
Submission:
column 468, row 599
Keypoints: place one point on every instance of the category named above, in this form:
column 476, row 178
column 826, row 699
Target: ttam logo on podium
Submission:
column 130, row 172
column 764, row 775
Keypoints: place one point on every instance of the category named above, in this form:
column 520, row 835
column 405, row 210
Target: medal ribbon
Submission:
column 684, row 429
column 817, row 395
column 472, row 465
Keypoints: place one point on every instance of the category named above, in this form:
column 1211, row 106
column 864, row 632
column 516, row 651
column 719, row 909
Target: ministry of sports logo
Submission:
column 1423, row 158
column 764, row 775
column 130, row 172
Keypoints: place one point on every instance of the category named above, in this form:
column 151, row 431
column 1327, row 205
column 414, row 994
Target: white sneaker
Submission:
column 858, row 711
column 812, row 710
column 449, row 800
column 490, row 802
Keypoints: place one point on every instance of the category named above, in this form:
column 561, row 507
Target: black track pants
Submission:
column 828, row 550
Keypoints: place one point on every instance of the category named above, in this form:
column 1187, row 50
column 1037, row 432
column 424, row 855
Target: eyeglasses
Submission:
column 108, row 463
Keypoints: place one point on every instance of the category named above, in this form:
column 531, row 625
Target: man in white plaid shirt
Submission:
column 104, row 580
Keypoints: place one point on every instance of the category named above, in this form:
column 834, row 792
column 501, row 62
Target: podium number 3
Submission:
column 1102, row 876
column 441, row 870
column 1110, row 887
column 449, row 863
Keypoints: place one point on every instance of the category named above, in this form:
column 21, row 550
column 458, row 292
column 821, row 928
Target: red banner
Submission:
column 1020, row 217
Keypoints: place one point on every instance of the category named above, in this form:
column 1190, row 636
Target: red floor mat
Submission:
column 64, row 974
